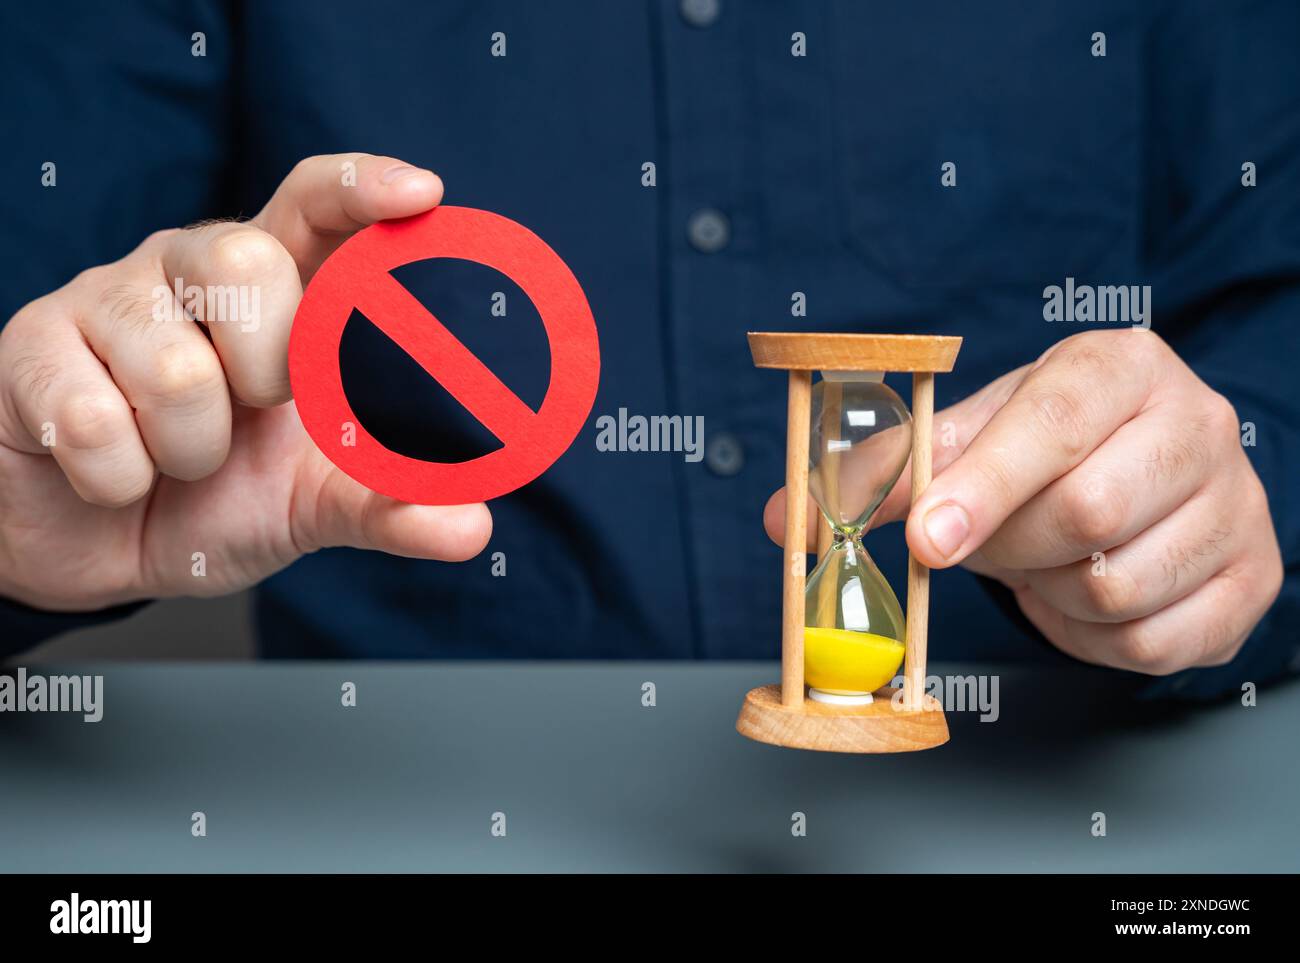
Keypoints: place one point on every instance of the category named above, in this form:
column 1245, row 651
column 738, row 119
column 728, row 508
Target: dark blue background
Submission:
column 1116, row 170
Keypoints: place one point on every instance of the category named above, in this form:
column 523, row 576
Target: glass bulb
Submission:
column 859, row 443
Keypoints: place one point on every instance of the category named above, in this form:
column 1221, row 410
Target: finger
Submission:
column 339, row 511
column 1163, row 564
column 242, row 285
column 955, row 426
column 1204, row 628
column 69, row 406
column 163, row 365
column 975, row 562
column 327, row 198
column 774, row 520
column 1140, row 474
column 1063, row 409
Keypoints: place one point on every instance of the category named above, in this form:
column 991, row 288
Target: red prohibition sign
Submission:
column 357, row 276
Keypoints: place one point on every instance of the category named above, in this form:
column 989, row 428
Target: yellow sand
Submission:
column 843, row 661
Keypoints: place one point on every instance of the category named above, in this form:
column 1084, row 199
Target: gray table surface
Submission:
column 590, row 779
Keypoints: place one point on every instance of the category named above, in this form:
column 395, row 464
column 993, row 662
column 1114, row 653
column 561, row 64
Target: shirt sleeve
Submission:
column 118, row 122
column 1221, row 249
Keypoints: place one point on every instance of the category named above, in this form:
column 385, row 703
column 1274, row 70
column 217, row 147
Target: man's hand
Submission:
column 133, row 438
column 1107, row 486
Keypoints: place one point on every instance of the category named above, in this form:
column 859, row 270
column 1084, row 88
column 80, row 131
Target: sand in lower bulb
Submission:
column 843, row 667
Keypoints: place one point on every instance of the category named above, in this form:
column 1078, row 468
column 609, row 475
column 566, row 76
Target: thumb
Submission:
column 954, row 428
column 326, row 199
column 335, row 510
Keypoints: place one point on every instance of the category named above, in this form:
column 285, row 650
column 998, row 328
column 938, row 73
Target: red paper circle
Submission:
column 357, row 276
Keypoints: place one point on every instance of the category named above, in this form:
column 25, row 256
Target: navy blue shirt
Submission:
column 774, row 174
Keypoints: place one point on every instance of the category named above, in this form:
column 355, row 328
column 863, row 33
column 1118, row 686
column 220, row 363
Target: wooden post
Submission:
column 798, row 413
column 918, row 576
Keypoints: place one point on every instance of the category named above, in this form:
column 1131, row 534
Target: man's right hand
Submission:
column 133, row 438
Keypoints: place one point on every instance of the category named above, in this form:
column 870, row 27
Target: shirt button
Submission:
column 708, row 230
column 724, row 455
column 700, row 13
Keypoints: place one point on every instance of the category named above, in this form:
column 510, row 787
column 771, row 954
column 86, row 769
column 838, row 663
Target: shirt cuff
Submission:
column 25, row 627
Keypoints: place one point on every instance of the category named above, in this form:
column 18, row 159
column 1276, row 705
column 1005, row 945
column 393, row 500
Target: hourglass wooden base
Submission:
column 783, row 715
column 882, row 726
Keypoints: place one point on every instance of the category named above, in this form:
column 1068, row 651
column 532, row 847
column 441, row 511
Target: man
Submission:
column 705, row 168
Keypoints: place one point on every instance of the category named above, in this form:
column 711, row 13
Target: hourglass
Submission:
column 844, row 633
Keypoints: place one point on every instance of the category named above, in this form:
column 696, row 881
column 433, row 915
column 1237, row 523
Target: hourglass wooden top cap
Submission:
column 853, row 352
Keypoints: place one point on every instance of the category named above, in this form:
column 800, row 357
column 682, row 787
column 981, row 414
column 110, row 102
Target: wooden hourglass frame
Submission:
column 783, row 715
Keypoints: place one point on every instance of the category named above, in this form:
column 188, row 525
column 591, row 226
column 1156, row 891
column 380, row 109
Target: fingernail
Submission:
column 398, row 171
column 947, row 527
